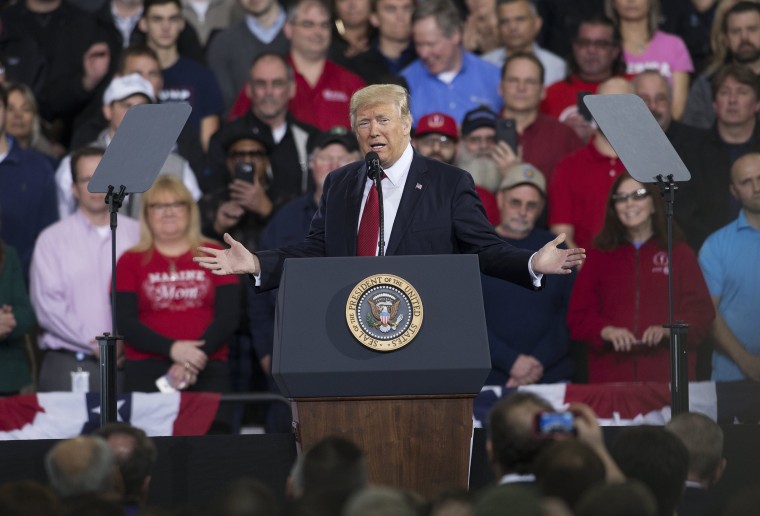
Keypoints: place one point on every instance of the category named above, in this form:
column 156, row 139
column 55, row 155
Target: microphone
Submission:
column 373, row 165
column 375, row 173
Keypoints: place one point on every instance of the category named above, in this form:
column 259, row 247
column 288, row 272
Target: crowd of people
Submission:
column 496, row 89
column 641, row 471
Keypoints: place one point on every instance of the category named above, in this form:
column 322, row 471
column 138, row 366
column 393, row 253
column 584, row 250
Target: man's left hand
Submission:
column 550, row 259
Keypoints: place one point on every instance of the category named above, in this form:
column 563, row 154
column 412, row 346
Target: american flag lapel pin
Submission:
column 418, row 186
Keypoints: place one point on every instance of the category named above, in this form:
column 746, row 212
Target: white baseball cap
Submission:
column 127, row 85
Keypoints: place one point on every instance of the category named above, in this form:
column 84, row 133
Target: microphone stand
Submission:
column 378, row 184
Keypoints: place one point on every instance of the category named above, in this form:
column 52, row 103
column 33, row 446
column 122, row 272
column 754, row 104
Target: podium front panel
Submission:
column 316, row 355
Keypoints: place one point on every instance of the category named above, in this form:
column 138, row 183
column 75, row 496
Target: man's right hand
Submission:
column 525, row 370
column 234, row 260
column 504, row 157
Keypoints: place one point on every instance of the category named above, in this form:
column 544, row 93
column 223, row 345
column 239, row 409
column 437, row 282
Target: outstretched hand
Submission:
column 550, row 259
column 234, row 260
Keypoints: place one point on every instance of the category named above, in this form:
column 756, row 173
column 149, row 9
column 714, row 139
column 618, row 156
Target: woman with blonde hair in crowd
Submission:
column 174, row 315
column 23, row 122
column 646, row 47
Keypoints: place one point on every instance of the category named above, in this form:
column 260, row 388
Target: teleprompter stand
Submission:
column 650, row 158
column 132, row 160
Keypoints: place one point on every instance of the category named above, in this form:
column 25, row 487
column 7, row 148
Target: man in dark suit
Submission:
column 429, row 208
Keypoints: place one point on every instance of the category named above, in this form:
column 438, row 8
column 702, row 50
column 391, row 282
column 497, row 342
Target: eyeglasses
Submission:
column 308, row 24
column 162, row 207
column 431, row 139
column 514, row 82
column 251, row 154
column 636, row 195
column 601, row 44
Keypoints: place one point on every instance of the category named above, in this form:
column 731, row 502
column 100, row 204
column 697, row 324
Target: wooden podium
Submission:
column 409, row 410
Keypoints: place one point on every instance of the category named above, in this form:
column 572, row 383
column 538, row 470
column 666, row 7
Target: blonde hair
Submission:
column 652, row 20
column 381, row 94
column 26, row 92
column 173, row 186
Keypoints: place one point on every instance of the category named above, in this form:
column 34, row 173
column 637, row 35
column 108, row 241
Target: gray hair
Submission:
column 82, row 465
column 296, row 6
column 446, row 15
column 654, row 73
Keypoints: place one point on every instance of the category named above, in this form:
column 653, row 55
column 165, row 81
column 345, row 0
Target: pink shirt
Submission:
column 666, row 53
column 70, row 280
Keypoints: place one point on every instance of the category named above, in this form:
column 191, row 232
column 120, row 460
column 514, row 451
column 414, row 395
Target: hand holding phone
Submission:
column 554, row 424
column 244, row 172
column 506, row 131
column 582, row 107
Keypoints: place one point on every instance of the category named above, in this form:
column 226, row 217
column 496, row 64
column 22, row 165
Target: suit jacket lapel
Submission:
column 413, row 190
column 354, row 195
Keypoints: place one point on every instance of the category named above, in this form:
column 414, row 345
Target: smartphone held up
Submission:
column 244, row 172
column 554, row 424
column 506, row 131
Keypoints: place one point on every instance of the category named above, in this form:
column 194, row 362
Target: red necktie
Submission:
column 369, row 227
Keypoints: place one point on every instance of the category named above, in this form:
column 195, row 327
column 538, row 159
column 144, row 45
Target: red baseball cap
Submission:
column 438, row 123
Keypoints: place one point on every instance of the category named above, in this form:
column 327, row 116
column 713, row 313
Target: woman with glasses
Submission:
column 176, row 318
column 620, row 299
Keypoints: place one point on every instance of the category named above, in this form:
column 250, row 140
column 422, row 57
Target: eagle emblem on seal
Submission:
column 384, row 315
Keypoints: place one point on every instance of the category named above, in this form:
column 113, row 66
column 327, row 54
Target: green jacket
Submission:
column 14, row 366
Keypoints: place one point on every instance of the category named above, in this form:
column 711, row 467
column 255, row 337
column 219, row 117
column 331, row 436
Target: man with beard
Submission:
column 270, row 87
column 476, row 150
column 741, row 33
column 436, row 138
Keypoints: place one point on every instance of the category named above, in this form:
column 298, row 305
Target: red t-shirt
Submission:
column 578, row 191
column 175, row 296
column 545, row 142
column 324, row 106
column 562, row 97
column 327, row 103
column 490, row 204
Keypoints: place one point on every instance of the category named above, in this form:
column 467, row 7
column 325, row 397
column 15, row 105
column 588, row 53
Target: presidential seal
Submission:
column 384, row 312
